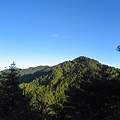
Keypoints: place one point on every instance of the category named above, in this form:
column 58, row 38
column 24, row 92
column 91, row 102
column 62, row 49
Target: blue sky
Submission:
column 47, row 32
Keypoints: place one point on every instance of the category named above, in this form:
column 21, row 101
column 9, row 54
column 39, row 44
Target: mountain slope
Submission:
column 27, row 75
column 79, row 89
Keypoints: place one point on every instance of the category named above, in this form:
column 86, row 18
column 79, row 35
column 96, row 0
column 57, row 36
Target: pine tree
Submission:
column 13, row 105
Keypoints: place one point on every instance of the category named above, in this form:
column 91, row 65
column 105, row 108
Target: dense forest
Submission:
column 81, row 89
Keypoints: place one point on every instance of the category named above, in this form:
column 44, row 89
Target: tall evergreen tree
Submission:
column 13, row 106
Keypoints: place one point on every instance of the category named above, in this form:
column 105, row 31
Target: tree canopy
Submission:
column 81, row 89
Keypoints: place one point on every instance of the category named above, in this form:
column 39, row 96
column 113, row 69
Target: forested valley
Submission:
column 80, row 89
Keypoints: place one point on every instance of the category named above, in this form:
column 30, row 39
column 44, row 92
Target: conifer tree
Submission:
column 13, row 106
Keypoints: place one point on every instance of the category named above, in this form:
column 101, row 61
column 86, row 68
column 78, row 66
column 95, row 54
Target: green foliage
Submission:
column 75, row 89
column 82, row 89
column 13, row 104
column 28, row 75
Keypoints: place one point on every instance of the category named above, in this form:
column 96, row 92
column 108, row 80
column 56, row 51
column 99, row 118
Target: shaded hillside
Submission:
column 27, row 75
column 82, row 89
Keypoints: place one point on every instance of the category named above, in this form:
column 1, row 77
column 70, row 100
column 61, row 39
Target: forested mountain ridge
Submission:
column 27, row 75
column 79, row 89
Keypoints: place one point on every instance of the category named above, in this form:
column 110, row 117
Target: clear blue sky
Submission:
column 47, row 32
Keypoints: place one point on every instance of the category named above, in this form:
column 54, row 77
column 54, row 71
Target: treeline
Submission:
column 82, row 89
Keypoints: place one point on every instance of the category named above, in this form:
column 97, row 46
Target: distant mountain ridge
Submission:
column 27, row 75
